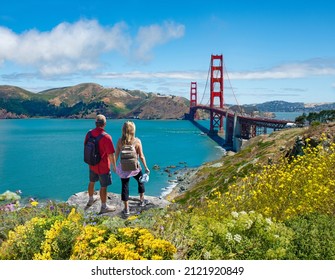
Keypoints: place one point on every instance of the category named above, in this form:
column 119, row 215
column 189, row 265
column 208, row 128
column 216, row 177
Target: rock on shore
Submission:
column 80, row 199
column 186, row 178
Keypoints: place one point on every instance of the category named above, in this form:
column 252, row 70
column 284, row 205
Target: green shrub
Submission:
column 42, row 238
column 314, row 237
column 13, row 214
column 63, row 237
column 242, row 236
column 99, row 243
column 25, row 240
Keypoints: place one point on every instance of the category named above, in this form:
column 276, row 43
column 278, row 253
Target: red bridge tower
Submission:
column 193, row 94
column 216, row 120
column 193, row 100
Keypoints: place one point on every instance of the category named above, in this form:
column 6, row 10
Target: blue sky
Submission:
column 273, row 50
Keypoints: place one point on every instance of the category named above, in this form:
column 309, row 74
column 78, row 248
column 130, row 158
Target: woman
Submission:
column 128, row 138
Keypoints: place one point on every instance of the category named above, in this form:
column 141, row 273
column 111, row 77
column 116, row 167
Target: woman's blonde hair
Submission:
column 128, row 133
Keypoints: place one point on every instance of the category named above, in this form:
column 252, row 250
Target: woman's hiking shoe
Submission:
column 108, row 209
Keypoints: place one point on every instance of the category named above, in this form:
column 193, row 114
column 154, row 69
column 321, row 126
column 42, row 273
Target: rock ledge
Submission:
column 80, row 199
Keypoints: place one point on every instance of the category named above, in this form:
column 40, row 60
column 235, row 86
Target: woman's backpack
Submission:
column 128, row 158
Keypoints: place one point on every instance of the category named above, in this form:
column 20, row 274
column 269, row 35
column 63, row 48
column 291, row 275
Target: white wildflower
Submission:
column 229, row 236
column 237, row 238
column 248, row 223
column 234, row 214
column 268, row 220
column 207, row 255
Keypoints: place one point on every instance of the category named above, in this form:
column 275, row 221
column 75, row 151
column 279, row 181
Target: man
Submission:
column 101, row 171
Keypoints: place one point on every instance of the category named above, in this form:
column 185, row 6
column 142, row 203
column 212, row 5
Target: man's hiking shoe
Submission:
column 143, row 203
column 126, row 212
column 108, row 209
column 90, row 203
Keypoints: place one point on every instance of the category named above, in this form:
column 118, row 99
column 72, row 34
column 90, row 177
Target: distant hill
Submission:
column 283, row 106
column 88, row 99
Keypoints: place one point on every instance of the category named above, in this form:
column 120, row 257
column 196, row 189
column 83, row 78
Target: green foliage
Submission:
column 314, row 237
column 200, row 235
column 58, row 241
column 9, row 197
column 300, row 120
column 63, row 237
column 99, row 243
column 239, row 236
column 320, row 117
column 265, row 144
column 315, row 123
column 13, row 215
column 316, row 118
column 25, row 240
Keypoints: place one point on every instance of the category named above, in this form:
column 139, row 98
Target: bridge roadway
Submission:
column 264, row 122
column 237, row 126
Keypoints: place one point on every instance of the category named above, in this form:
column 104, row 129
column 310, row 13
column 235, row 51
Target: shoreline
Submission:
column 183, row 182
column 179, row 183
column 188, row 177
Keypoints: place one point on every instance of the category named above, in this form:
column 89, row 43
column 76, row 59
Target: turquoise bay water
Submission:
column 287, row 115
column 44, row 157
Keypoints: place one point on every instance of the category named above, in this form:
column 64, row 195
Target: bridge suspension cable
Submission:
column 203, row 95
column 238, row 105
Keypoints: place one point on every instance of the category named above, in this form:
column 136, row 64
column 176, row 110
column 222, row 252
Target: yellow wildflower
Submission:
column 34, row 203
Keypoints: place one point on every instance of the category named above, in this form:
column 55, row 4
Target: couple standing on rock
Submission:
column 109, row 157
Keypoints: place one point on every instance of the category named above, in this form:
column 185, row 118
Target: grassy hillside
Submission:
column 259, row 151
column 8, row 92
column 88, row 99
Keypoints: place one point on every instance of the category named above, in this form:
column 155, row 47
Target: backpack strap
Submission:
column 135, row 141
column 100, row 136
column 89, row 134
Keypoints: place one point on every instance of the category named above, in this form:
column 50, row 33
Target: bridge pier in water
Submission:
column 214, row 136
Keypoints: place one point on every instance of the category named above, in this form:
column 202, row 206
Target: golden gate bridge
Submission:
column 234, row 126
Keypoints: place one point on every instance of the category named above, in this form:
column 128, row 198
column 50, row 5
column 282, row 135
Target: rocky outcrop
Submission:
column 8, row 115
column 80, row 200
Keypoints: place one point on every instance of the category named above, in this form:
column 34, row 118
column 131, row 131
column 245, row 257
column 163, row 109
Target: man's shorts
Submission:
column 104, row 179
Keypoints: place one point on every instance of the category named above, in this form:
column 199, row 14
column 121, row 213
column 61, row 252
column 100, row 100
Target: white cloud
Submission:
column 285, row 71
column 314, row 67
column 69, row 48
column 151, row 75
column 65, row 49
column 150, row 36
